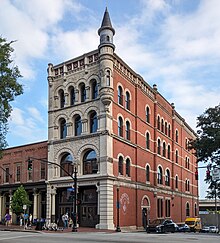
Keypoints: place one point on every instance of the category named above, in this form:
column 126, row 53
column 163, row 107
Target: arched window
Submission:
column 158, row 146
column 83, row 92
column 176, row 182
column 186, row 185
column 120, row 127
column 177, row 136
column 63, row 128
column 195, row 210
column 164, row 149
column 162, row 125
column 148, row 115
column 158, row 123
column 93, row 122
column 78, row 125
column 120, row 95
column 128, row 167
column 66, row 164
column 90, row 164
column 62, row 98
column 120, row 165
column 186, row 162
column 147, row 173
column 94, row 89
column 168, row 151
column 108, row 83
column 166, row 128
column 177, row 156
column 159, row 175
column 72, row 96
column 127, row 130
column 127, row 100
column 169, row 130
column 147, row 140
column 167, row 178
column 187, row 210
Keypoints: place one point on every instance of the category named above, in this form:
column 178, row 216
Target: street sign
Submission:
column 24, row 207
column 215, row 174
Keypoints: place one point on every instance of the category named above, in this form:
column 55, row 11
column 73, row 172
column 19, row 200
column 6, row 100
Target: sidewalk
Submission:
column 69, row 230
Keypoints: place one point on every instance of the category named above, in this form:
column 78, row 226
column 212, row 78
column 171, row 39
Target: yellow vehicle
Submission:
column 194, row 224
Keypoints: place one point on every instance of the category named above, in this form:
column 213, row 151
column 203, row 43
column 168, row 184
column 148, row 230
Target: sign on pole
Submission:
column 215, row 174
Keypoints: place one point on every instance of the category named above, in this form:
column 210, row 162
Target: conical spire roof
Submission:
column 106, row 22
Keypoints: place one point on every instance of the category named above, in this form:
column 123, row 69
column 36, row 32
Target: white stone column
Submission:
column 53, row 204
column 1, row 207
column 10, row 200
column 35, row 207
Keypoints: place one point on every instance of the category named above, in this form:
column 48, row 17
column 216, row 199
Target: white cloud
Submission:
column 34, row 112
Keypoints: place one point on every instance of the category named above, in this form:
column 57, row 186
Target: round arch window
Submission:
column 90, row 165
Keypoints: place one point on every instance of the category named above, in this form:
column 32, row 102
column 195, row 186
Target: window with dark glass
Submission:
column 108, row 83
column 195, row 209
column 62, row 98
column 94, row 89
column 83, row 92
column 66, row 164
column 78, row 125
column 93, row 122
column 162, row 125
column 177, row 135
column 148, row 140
column 187, row 210
column 164, row 149
column 176, row 182
column 128, row 167
column 165, row 128
column 158, row 146
column 186, row 185
column 43, row 171
column 147, row 173
column 7, row 175
column 159, row 207
column 177, row 156
column 63, row 128
column 72, row 96
column 167, row 178
column 120, row 127
column 168, row 151
column 167, row 208
column 120, row 165
column 18, row 173
column 147, row 114
column 127, row 130
column 90, row 163
column 169, row 130
column 158, row 123
column 159, row 175
column 127, row 101
column 120, row 95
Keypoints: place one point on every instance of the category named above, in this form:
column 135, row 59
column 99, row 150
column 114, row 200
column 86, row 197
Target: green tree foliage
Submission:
column 207, row 144
column 20, row 198
column 9, row 87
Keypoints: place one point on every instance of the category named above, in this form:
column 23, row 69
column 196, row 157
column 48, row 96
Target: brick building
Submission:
column 14, row 172
column 126, row 140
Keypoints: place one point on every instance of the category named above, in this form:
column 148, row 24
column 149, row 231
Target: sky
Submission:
column 172, row 43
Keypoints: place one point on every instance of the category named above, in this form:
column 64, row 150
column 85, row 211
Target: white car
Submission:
column 213, row 229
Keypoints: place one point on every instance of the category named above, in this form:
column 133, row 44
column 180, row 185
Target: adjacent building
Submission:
column 127, row 142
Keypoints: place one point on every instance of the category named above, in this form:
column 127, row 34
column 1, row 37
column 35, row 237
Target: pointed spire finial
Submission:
column 106, row 22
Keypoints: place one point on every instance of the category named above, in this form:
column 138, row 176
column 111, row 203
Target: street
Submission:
column 23, row 237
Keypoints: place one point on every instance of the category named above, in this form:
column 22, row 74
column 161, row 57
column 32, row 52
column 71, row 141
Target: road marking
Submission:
column 15, row 237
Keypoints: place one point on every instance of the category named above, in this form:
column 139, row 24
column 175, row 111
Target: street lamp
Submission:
column 74, row 228
column 118, row 212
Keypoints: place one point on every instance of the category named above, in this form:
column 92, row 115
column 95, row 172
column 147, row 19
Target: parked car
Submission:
column 162, row 226
column 194, row 224
column 205, row 229
column 182, row 227
column 213, row 229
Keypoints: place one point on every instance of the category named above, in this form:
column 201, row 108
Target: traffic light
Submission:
column 196, row 175
column 29, row 164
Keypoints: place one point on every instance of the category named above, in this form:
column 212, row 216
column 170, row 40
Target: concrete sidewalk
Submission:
column 68, row 230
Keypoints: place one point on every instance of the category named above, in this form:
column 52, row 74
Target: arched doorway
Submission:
column 145, row 209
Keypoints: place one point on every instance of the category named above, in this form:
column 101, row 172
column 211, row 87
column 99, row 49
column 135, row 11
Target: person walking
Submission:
column 7, row 219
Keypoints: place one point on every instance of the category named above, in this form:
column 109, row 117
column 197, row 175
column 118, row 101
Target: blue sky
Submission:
column 172, row 43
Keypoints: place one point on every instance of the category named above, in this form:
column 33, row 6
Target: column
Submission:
column 35, row 207
column 1, row 206
column 53, row 204
column 10, row 200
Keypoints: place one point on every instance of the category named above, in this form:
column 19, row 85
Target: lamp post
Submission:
column 118, row 212
column 74, row 228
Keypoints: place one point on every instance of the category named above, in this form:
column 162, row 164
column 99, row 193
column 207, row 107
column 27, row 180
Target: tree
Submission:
column 20, row 198
column 207, row 144
column 9, row 87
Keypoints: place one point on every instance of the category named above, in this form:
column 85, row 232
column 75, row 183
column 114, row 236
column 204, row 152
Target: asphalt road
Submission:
column 138, row 237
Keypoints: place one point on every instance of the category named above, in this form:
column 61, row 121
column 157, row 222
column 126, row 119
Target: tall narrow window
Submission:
column 165, row 128
column 148, row 173
column 120, row 165
column 43, row 171
column 195, row 210
column 127, row 100
column 128, row 167
column 148, row 115
column 78, row 125
column 63, row 128
column 169, row 130
column 164, row 149
column 93, row 122
column 127, row 130
column 158, row 146
column 177, row 156
column 7, row 175
column 162, row 125
column 187, row 210
column 83, row 92
column 167, row 208
column 176, row 182
column 62, row 98
column 90, row 164
column 167, row 178
column 94, row 89
column 72, row 96
column 177, row 136
column 108, row 83
column 120, row 95
column 159, row 207
column 120, row 127
column 147, row 140
column 168, row 151
column 18, row 173
column 158, row 123
column 159, row 175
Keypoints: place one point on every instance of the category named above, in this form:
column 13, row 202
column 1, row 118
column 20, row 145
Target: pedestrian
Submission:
column 21, row 219
column 65, row 220
column 7, row 219
column 30, row 219
column 26, row 220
